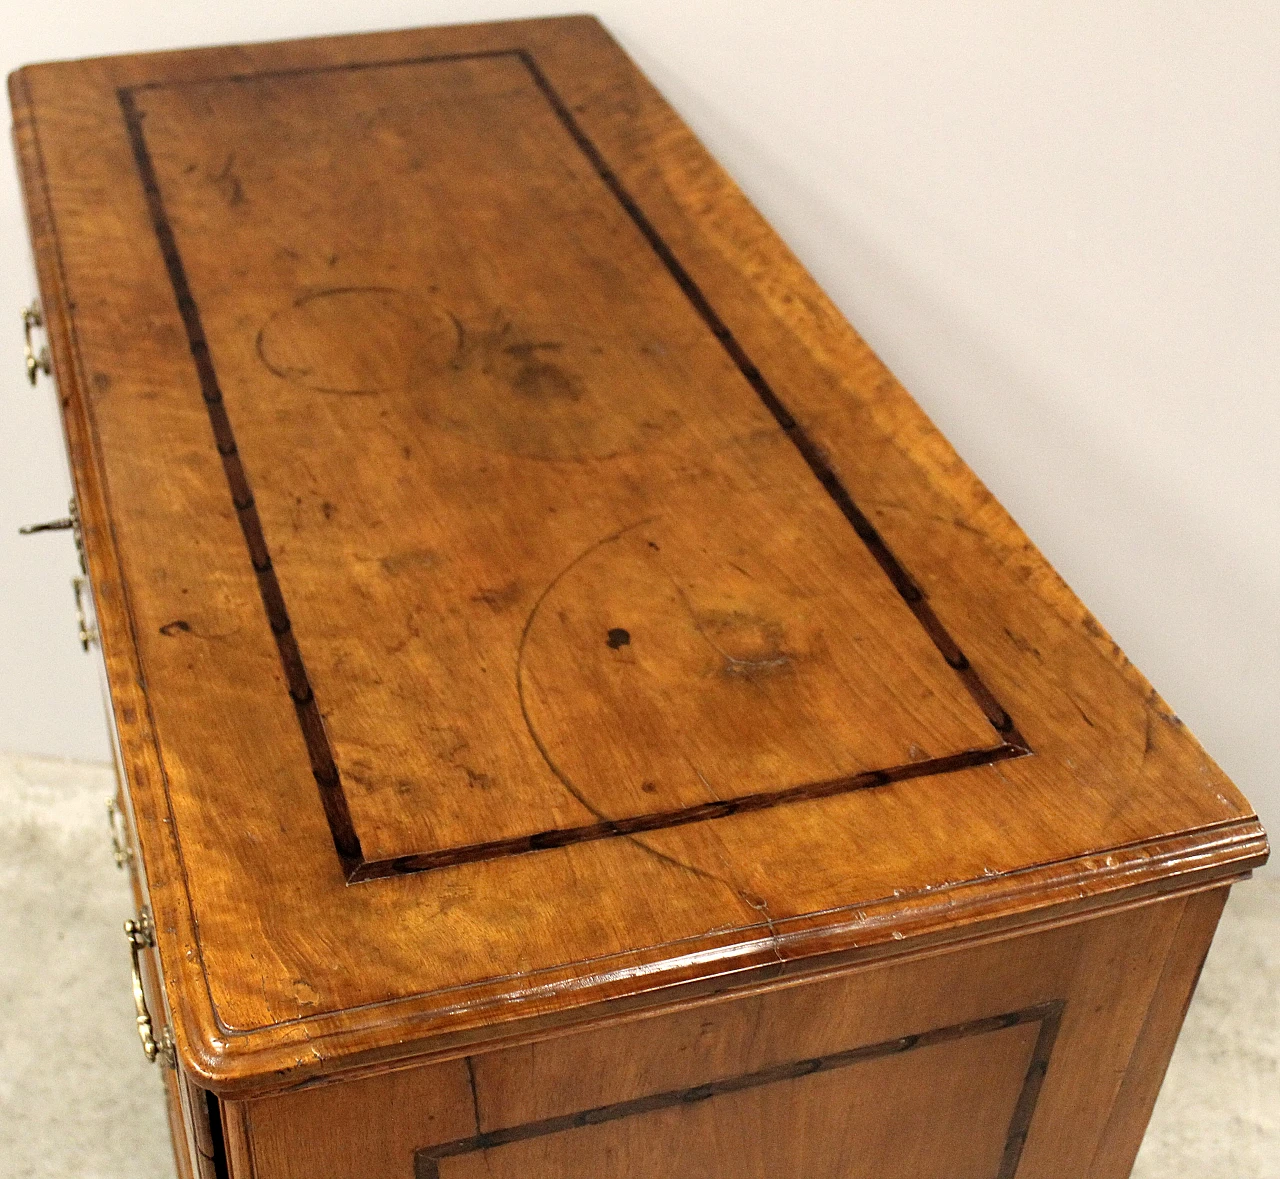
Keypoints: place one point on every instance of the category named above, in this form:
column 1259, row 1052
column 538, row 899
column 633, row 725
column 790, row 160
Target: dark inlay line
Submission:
column 319, row 751
column 658, row 821
column 323, row 766
column 808, row 449
column 1048, row 1015
column 1020, row 1126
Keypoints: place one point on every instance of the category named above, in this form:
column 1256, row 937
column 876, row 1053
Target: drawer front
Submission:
column 187, row 1105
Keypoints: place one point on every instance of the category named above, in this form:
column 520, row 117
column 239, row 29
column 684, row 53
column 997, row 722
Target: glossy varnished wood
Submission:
column 525, row 600
column 1014, row 1057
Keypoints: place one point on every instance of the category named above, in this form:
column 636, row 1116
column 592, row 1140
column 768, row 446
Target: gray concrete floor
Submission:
column 78, row 1099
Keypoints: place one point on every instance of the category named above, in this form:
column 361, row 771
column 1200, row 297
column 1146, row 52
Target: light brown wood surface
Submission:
column 502, row 452
column 402, row 375
column 1118, row 1146
column 899, row 1068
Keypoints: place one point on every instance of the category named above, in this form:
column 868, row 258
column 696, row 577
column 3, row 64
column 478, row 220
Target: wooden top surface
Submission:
column 520, row 589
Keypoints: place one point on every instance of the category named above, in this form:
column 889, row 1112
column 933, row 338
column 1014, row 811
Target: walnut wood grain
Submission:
column 682, row 655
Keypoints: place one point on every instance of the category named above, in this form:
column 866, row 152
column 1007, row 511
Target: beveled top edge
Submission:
column 451, row 1024
column 185, row 56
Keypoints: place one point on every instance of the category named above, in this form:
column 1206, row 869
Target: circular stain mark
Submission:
column 358, row 341
column 618, row 637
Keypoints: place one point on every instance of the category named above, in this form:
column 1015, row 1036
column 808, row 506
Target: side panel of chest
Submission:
column 1033, row 1057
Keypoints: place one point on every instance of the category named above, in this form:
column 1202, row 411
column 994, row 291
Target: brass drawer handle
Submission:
column 120, row 849
column 70, row 521
column 37, row 362
column 88, row 634
column 48, row 526
column 141, row 935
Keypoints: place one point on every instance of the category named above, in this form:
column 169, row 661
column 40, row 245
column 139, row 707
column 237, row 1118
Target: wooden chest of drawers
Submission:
column 577, row 716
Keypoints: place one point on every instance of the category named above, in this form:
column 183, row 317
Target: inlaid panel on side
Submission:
column 557, row 496
column 1008, row 1058
column 952, row 1103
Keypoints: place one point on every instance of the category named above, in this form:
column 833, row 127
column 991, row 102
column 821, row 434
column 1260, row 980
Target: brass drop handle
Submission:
column 37, row 362
column 120, row 849
column 88, row 633
column 69, row 522
column 48, row 526
column 141, row 935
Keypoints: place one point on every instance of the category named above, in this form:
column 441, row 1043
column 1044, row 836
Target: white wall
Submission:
column 1056, row 223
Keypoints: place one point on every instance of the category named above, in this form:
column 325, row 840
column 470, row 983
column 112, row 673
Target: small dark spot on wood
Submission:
column 618, row 637
column 328, row 509
column 228, row 183
column 527, row 348
column 170, row 629
column 1023, row 644
column 540, row 380
column 499, row 597
column 649, row 788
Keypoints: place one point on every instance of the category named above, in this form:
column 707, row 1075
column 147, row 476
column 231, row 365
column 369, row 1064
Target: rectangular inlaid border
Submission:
column 323, row 765
column 1047, row 1015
